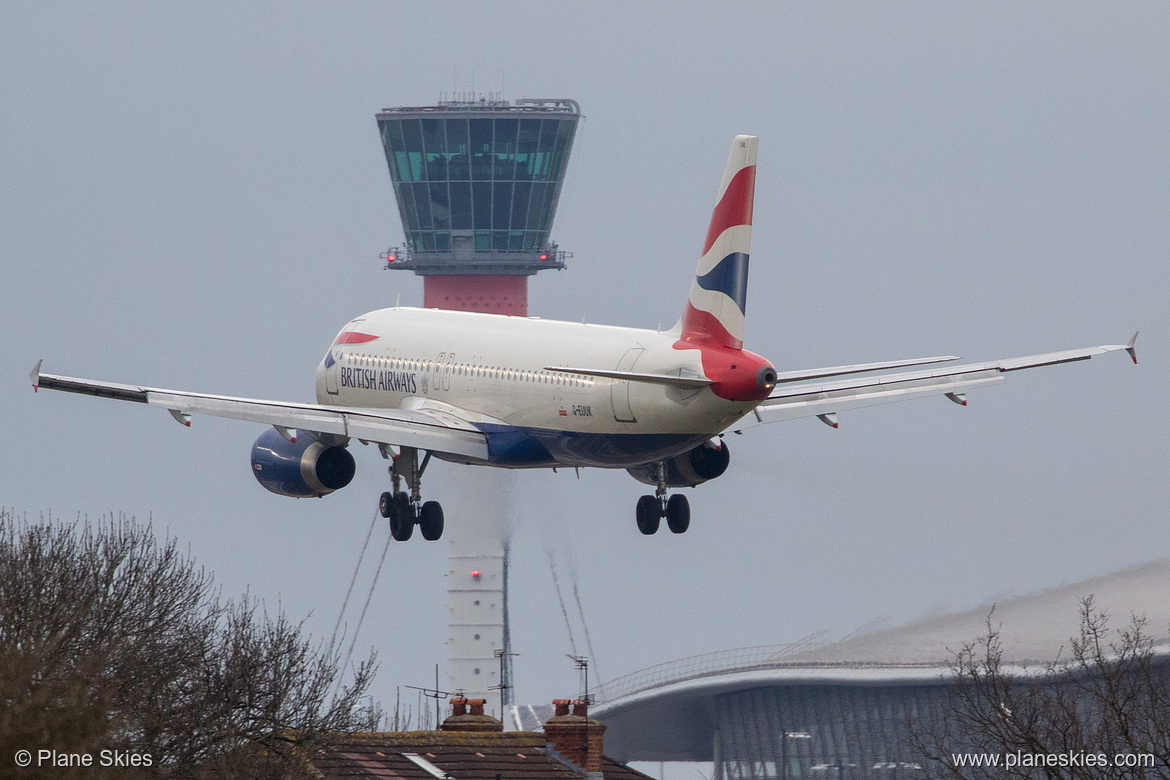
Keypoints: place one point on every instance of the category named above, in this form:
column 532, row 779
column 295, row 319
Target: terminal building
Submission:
column 826, row 710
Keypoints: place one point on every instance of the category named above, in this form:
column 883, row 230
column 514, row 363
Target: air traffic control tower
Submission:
column 477, row 182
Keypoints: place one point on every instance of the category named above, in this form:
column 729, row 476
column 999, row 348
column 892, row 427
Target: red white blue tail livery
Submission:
column 717, row 303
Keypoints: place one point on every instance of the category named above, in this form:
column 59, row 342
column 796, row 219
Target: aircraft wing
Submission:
column 825, row 399
column 425, row 429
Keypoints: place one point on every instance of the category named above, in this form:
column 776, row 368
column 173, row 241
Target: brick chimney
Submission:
column 577, row 737
column 462, row 720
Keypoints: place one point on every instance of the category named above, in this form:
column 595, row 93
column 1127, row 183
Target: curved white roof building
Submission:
column 813, row 706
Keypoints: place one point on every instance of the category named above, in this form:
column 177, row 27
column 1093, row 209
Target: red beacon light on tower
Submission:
column 390, row 256
column 475, row 574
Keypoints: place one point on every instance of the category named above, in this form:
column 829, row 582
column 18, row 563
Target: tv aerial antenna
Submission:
column 582, row 663
column 436, row 694
column 505, row 681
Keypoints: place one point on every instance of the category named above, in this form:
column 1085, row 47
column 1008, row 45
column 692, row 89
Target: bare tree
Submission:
column 1108, row 697
column 110, row 640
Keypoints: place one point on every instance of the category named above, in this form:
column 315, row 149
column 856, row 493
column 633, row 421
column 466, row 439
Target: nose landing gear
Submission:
column 406, row 511
column 651, row 509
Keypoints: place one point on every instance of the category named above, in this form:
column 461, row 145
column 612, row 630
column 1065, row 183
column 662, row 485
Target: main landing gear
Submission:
column 405, row 511
column 651, row 509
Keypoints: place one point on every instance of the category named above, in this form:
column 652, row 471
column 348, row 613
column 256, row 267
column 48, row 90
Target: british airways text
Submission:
column 369, row 379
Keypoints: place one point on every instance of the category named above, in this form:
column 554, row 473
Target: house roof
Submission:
column 438, row 755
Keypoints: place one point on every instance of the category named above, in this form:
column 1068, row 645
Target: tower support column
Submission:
column 493, row 294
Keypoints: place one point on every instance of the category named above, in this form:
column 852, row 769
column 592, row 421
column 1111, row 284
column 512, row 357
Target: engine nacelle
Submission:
column 306, row 468
column 707, row 461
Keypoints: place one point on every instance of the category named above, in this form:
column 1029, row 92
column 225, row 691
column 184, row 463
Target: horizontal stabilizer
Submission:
column 634, row 376
column 820, row 373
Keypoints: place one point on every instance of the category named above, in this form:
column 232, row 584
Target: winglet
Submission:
column 181, row 417
column 35, row 376
column 959, row 398
column 1130, row 347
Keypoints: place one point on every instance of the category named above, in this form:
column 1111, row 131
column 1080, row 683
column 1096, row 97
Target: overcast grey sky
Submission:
column 194, row 196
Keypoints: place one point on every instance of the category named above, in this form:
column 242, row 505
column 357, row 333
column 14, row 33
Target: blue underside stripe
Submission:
column 536, row 447
column 730, row 277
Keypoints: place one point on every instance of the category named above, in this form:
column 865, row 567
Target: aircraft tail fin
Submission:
column 715, row 308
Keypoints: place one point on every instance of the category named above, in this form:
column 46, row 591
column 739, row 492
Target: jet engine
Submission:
column 306, row 468
column 694, row 467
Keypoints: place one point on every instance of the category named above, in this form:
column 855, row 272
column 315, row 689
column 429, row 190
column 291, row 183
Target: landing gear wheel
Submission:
column 678, row 513
column 385, row 501
column 648, row 514
column 402, row 518
column 430, row 520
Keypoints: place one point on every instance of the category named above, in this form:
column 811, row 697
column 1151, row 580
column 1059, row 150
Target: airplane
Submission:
column 524, row 392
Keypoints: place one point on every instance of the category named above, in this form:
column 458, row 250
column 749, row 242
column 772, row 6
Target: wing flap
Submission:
column 438, row 432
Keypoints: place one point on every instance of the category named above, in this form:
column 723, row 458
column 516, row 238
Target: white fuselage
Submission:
column 492, row 371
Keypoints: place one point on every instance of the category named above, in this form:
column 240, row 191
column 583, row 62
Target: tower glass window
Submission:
column 479, row 177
